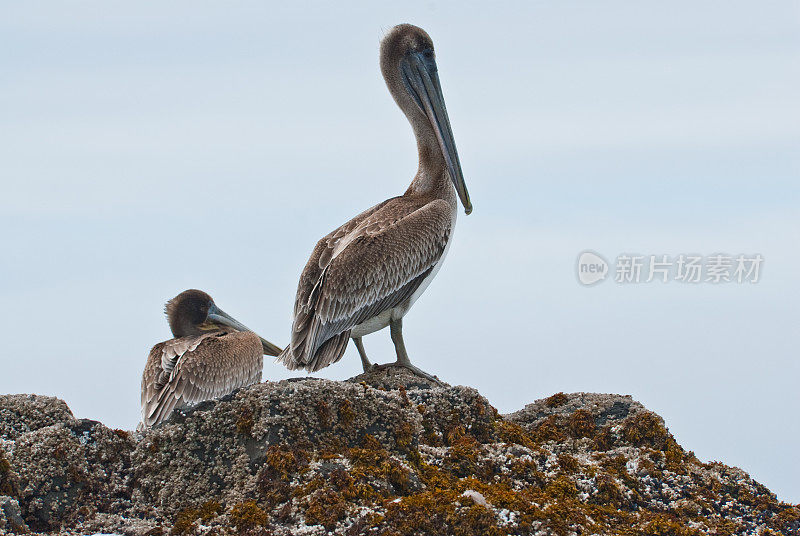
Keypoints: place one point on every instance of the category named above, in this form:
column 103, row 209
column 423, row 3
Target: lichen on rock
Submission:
column 385, row 453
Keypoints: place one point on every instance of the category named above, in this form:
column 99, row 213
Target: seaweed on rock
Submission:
column 385, row 453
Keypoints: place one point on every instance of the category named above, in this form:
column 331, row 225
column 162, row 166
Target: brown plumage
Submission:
column 211, row 355
column 366, row 274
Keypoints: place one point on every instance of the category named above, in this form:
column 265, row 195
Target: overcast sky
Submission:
column 146, row 150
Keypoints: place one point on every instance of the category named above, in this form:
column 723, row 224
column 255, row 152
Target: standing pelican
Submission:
column 368, row 273
column 211, row 355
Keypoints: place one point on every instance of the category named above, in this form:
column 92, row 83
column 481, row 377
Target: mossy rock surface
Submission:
column 385, row 453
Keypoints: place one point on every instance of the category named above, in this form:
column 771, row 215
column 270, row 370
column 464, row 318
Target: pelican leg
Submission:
column 363, row 354
column 396, row 329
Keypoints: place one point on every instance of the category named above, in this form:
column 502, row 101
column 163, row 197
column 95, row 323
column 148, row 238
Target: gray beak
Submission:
column 421, row 77
column 217, row 315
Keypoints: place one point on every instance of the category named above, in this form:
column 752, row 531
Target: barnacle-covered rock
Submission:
column 214, row 451
column 11, row 521
column 69, row 471
column 387, row 454
column 26, row 413
column 9, row 485
column 52, row 472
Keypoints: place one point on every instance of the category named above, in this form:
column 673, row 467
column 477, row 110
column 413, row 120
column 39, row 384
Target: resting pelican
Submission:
column 211, row 355
column 368, row 273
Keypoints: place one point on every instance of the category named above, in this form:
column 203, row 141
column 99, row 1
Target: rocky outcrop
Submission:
column 26, row 413
column 385, row 453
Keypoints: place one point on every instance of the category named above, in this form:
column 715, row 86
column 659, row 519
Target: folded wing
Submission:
column 372, row 264
column 185, row 371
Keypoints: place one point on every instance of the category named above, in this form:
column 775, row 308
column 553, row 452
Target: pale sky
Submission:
column 150, row 148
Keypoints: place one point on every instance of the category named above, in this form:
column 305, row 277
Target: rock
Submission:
column 477, row 498
column 11, row 521
column 605, row 409
column 9, row 485
column 70, row 470
column 26, row 413
column 394, row 378
column 214, row 451
column 52, row 471
column 385, row 453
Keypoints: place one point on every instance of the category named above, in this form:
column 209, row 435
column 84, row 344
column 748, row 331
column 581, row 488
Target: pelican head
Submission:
column 193, row 312
column 408, row 64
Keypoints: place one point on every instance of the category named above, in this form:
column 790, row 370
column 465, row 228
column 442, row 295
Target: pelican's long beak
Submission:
column 269, row 348
column 218, row 316
column 421, row 78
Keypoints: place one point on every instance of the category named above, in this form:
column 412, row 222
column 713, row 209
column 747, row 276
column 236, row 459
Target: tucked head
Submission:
column 193, row 312
column 408, row 64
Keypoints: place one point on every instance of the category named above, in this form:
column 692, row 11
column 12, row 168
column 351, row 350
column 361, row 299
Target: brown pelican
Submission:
column 211, row 355
column 366, row 274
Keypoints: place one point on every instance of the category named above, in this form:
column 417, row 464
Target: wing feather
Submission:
column 182, row 372
column 370, row 265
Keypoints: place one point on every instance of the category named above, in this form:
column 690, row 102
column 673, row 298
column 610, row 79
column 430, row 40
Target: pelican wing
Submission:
column 185, row 371
column 361, row 270
column 321, row 255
